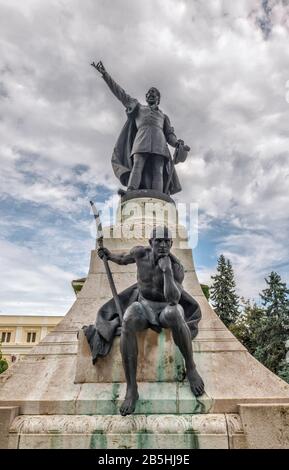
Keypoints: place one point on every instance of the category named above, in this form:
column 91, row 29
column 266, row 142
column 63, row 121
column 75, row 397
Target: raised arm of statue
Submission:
column 122, row 259
column 119, row 92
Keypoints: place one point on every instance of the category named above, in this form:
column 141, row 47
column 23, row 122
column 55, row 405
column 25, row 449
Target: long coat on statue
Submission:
column 147, row 130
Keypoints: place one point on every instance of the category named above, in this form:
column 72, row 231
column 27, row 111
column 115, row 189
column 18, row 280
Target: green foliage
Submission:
column 264, row 329
column 206, row 291
column 3, row 363
column 223, row 295
column 272, row 330
column 245, row 326
column 77, row 285
column 77, row 288
column 275, row 298
column 283, row 371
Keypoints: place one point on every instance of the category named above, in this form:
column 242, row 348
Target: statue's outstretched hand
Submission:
column 99, row 67
column 103, row 253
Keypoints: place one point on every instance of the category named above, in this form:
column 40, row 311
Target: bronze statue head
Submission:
column 153, row 96
column 161, row 241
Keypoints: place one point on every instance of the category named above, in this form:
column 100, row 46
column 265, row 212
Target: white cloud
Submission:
column 222, row 69
column 253, row 257
column 29, row 284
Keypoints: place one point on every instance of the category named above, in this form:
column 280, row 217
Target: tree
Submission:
column 275, row 298
column 283, row 371
column 264, row 330
column 3, row 363
column 272, row 331
column 224, row 298
column 246, row 325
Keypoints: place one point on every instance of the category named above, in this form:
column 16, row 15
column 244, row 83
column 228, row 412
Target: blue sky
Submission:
column 222, row 69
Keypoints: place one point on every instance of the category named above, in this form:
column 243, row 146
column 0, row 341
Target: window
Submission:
column 31, row 337
column 5, row 336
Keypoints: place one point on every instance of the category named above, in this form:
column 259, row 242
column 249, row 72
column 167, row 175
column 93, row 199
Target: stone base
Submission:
column 147, row 194
column 215, row 431
column 265, row 426
column 159, row 360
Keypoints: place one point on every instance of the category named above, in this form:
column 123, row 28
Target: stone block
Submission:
column 265, row 426
column 7, row 416
column 117, row 432
column 188, row 403
column 159, row 360
column 235, row 432
column 106, row 398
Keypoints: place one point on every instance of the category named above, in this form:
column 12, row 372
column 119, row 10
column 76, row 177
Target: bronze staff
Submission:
column 99, row 240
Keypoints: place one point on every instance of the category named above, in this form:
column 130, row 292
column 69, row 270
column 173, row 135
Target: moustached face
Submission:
column 152, row 96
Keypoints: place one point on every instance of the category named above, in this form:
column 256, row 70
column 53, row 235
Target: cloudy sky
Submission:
column 223, row 70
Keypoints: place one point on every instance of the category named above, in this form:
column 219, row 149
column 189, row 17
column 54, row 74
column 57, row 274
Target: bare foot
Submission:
column 128, row 406
column 196, row 382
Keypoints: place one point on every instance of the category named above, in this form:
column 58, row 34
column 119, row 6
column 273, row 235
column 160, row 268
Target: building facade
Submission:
column 19, row 333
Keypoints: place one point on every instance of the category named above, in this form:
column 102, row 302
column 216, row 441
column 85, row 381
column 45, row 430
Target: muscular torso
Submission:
column 150, row 277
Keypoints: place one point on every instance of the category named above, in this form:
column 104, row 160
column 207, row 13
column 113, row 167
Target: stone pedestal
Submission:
column 135, row 219
column 159, row 360
column 63, row 401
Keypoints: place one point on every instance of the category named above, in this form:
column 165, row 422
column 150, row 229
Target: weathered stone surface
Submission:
column 265, row 426
column 7, row 416
column 42, row 384
column 187, row 403
column 235, row 432
column 159, row 360
column 243, row 380
column 116, row 432
column 104, row 398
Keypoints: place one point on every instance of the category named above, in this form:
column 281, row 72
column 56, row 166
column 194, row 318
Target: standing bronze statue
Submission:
column 157, row 301
column 141, row 158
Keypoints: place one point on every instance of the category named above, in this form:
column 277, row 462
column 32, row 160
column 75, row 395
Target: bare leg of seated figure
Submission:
column 133, row 321
column 173, row 317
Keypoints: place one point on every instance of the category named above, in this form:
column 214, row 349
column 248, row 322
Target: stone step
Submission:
column 131, row 432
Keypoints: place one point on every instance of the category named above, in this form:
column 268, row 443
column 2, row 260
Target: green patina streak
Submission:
column 98, row 440
column 144, row 439
column 203, row 405
column 161, row 359
column 144, row 406
column 192, row 437
column 179, row 366
column 55, row 440
column 114, row 397
column 199, row 407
